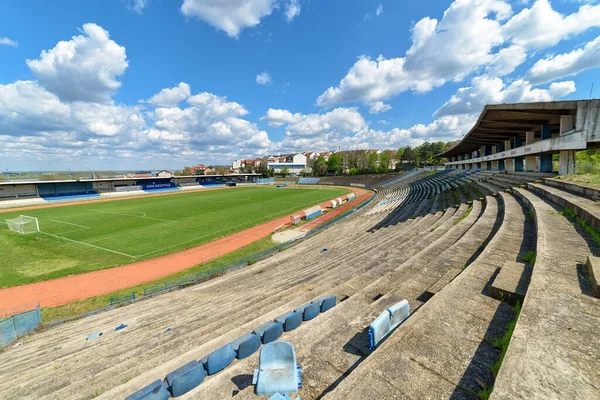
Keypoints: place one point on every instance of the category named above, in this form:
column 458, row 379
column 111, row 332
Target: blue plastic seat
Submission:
column 325, row 302
column 218, row 359
column 269, row 332
column 277, row 371
column 387, row 321
column 246, row 345
column 157, row 390
column 309, row 311
column 186, row 378
column 290, row 320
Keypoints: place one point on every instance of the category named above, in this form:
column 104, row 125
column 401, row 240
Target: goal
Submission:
column 23, row 225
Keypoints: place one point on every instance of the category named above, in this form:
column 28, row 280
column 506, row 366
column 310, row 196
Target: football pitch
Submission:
column 87, row 237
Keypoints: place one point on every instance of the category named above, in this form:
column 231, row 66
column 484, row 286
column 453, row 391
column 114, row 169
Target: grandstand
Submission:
column 18, row 194
column 435, row 239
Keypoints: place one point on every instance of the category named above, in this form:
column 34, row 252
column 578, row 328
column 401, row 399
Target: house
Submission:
column 295, row 164
column 164, row 174
column 199, row 169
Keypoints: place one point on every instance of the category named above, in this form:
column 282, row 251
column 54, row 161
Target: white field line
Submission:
column 271, row 217
column 126, row 233
column 87, row 244
column 134, row 216
column 70, row 223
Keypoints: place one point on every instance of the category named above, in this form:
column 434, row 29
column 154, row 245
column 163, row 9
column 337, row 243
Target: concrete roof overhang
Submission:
column 500, row 122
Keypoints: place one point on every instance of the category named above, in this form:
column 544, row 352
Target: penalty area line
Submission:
column 132, row 215
column 87, row 244
column 70, row 223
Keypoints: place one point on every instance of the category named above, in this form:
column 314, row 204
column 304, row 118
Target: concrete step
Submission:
column 510, row 285
column 586, row 209
column 443, row 350
column 593, row 267
column 553, row 350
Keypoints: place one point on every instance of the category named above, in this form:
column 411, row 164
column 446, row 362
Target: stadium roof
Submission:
column 501, row 122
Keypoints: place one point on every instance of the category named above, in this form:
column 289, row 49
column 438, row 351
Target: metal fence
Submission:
column 19, row 321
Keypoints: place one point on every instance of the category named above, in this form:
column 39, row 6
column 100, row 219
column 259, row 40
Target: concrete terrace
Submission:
column 438, row 239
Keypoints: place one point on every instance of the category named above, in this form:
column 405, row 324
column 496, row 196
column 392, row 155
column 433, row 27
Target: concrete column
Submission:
column 493, row 150
column 518, row 160
column 546, row 159
column 566, row 164
column 508, row 162
column 530, row 161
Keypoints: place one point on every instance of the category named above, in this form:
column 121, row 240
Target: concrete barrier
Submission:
column 219, row 359
column 246, row 345
column 290, row 320
column 157, row 390
column 269, row 332
column 186, row 378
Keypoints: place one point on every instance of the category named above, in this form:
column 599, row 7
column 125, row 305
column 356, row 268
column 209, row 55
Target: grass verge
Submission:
column 501, row 344
column 570, row 214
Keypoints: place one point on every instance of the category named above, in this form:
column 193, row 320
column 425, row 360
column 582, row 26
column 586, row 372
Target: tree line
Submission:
column 370, row 162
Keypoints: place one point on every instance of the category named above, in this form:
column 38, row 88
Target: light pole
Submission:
column 70, row 176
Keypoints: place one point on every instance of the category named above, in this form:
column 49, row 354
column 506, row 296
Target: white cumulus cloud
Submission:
column 339, row 120
column 171, row 97
column 230, row 16
column 137, row 6
column 8, row 42
column 379, row 107
column 264, row 78
column 541, row 26
column 84, row 68
column 292, row 10
column 566, row 64
column 472, row 35
column 492, row 90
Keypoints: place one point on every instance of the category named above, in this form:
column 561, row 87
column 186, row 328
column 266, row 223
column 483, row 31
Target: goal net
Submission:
column 23, row 225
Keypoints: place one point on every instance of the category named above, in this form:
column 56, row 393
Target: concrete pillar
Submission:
column 508, row 162
column 494, row 162
column 546, row 159
column 566, row 164
column 530, row 161
column 518, row 163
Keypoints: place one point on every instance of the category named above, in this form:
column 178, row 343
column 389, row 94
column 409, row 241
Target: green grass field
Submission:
column 88, row 237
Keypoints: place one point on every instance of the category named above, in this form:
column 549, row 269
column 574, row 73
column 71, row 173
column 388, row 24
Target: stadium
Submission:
column 437, row 284
column 299, row 200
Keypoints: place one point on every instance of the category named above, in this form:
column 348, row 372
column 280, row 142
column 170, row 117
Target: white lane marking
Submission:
column 87, row 244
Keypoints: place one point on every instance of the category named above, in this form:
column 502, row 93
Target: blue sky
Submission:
column 166, row 83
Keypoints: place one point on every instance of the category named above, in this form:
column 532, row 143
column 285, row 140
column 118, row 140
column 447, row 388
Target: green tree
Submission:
column 400, row 153
column 334, row 164
column 372, row 162
column 320, row 166
column 285, row 171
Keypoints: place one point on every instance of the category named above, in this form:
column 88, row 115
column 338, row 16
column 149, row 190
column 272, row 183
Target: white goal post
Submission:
column 23, row 224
